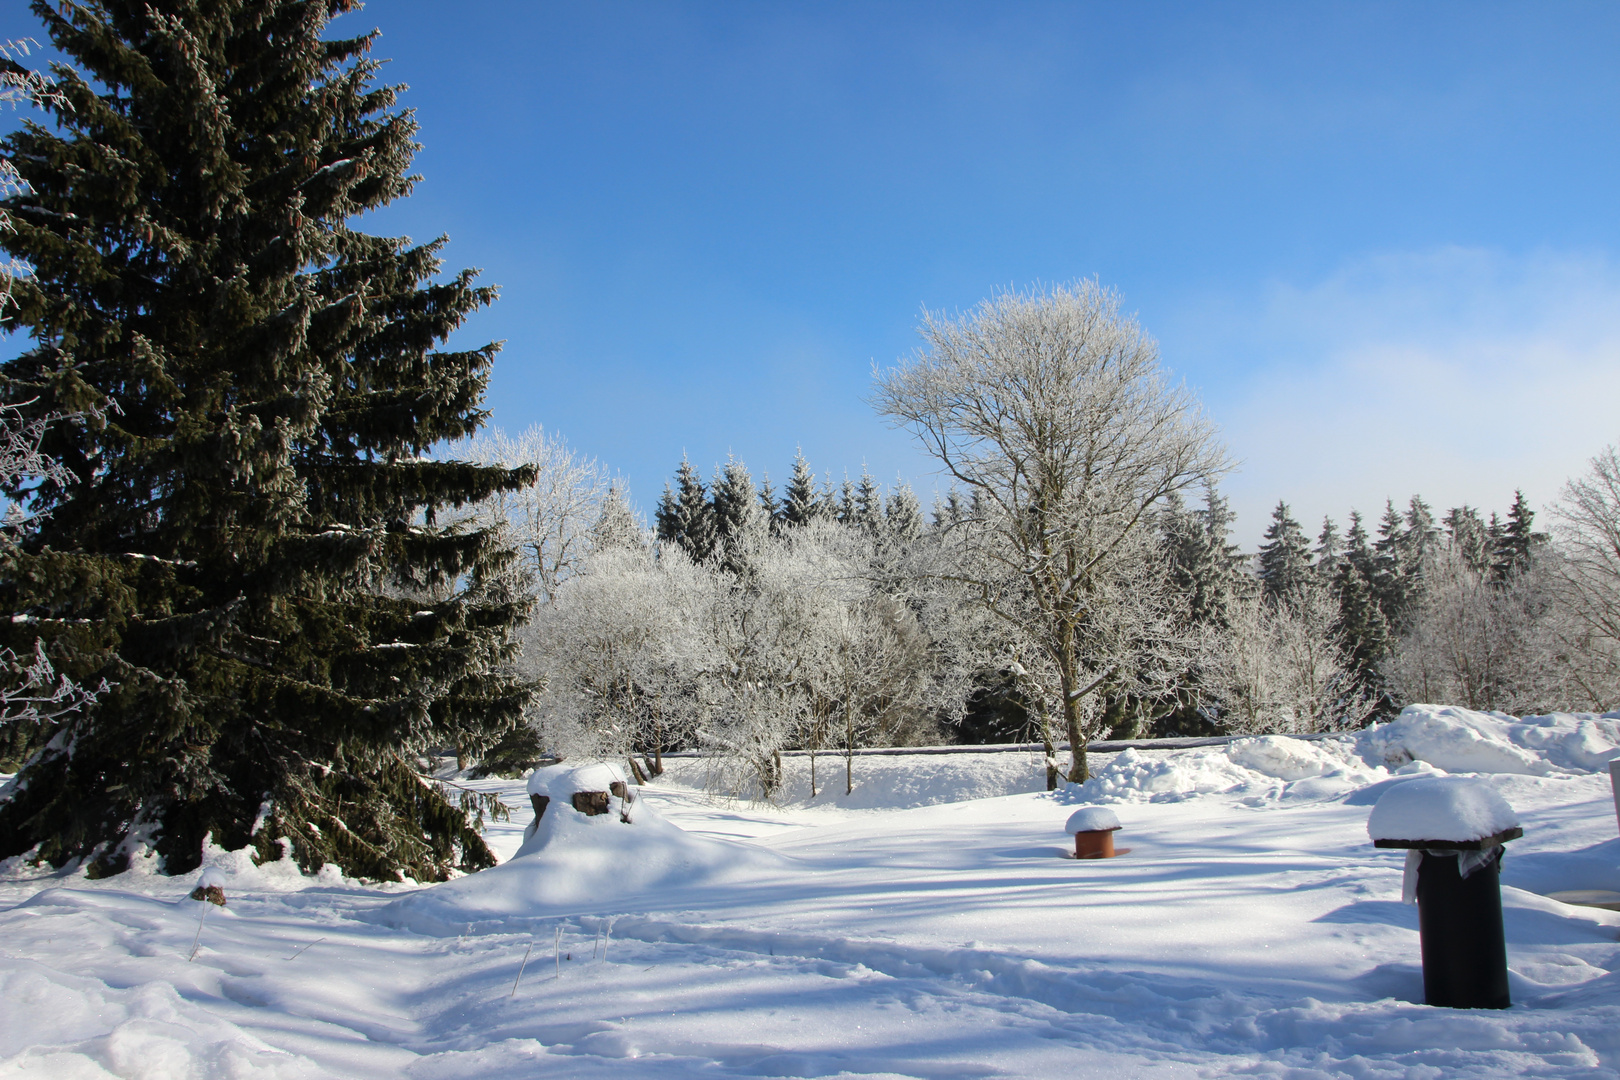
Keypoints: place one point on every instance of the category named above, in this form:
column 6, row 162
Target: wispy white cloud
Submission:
column 1457, row 374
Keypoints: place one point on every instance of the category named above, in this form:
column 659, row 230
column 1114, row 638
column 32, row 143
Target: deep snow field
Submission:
column 930, row 925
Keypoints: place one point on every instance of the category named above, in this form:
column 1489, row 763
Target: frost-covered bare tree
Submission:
column 1281, row 667
column 621, row 647
column 1516, row 643
column 18, row 86
column 1587, row 529
column 1050, row 408
column 878, row 676
column 771, row 625
column 32, row 691
column 550, row 519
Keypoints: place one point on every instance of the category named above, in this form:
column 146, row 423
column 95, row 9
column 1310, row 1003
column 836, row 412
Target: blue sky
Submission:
column 1379, row 239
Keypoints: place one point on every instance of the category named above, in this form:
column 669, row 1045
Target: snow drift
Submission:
column 572, row 862
column 1463, row 740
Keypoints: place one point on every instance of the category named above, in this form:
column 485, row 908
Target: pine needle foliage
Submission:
column 248, row 548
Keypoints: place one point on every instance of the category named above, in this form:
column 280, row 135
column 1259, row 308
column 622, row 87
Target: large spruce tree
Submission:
column 248, row 550
column 1284, row 562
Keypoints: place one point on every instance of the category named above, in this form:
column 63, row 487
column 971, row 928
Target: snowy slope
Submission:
column 1251, row 930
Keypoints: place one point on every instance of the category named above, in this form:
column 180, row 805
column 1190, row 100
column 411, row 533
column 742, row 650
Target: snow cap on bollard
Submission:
column 1093, row 828
column 210, row 886
column 1092, row 819
column 1442, row 812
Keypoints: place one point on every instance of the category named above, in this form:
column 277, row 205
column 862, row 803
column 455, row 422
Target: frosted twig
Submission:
column 201, row 915
column 559, row 952
column 301, row 951
column 521, row 966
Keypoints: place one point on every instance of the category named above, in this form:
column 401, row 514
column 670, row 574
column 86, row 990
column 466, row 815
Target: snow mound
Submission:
column 575, row 862
column 1285, row 758
column 1136, row 777
column 70, row 1027
column 1466, row 741
column 1091, row 819
column 1440, row 808
column 1582, row 742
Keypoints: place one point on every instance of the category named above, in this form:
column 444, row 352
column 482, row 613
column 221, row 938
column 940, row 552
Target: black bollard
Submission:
column 1460, row 926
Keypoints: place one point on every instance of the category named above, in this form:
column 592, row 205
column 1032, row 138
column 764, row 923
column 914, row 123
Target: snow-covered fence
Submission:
column 1107, row 746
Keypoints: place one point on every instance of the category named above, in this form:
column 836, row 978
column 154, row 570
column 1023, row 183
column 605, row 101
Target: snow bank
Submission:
column 1287, row 759
column 1583, row 742
column 1267, row 768
column 1091, row 819
column 1440, row 808
column 574, row 862
column 1463, row 740
column 1134, row 776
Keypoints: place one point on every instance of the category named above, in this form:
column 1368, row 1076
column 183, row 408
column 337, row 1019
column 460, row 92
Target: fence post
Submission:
column 1614, row 785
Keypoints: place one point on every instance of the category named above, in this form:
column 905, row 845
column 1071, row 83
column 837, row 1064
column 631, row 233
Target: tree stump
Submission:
column 539, row 802
column 591, row 803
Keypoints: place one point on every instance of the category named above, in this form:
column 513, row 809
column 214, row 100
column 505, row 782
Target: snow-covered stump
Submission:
column 591, row 788
column 1093, row 828
column 1453, row 829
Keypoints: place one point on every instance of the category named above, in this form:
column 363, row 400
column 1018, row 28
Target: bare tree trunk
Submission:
column 1051, row 754
column 849, row 750
column 1068, row 682
column 814, row 741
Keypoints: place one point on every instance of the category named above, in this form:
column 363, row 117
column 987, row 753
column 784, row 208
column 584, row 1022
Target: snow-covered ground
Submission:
column 1252, row 929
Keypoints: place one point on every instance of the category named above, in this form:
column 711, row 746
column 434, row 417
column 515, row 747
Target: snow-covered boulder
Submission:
column 1445, row 809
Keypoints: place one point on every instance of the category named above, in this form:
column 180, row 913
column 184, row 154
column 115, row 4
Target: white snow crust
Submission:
column 1091, row 819
column 1456, row 808
column 927, row 925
